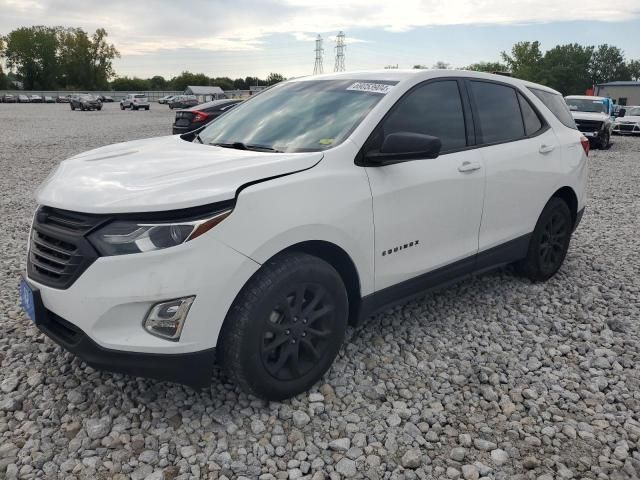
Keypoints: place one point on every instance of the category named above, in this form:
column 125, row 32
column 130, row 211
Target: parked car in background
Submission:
column 166, row 99
column 183, row 101
column 23, row 99
column 105, row 98
column 593, row 117
column 628, row 121
column 8, row 98
column 62, row 99
column 191, row 119
column 135, row 101
column 48, row 99
column 300, row 212
column 85, row 102
column 35, row 99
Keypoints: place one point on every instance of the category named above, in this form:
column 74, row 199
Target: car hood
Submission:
column 590, row 116
column 163, row 173
column 629, row 119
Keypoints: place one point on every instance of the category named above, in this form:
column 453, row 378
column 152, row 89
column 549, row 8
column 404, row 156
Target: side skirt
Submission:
column 487, row 260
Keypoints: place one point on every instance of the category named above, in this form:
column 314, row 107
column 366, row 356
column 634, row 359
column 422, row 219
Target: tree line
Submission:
column 570, row 68
column 49, row 58
column 180, row 82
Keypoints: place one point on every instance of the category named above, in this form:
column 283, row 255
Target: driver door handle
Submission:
column 546, row 148
column 469, row 166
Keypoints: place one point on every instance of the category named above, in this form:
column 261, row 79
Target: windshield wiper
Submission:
column 247, row 146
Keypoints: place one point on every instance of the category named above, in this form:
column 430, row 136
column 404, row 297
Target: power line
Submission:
column 340, row 49
column 317, row 66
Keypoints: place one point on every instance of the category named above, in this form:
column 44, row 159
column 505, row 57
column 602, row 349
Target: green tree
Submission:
column 274, row 78
column 525, row 60
column 186, row 78
column 488, row 67
column 634, row 69
column 240, row 84
column 32, row 51
column 607, row 64
column 224, row 83
column 4, row 81
column 420, row 67
column 566, row 68
column 158, row 82
column 442, row 65
column 75, row 59
column 101, row 57
column 130, row 83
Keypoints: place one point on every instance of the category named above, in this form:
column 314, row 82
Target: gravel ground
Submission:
column 493, row 377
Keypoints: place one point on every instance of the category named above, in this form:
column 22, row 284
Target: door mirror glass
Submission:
column 400, row 146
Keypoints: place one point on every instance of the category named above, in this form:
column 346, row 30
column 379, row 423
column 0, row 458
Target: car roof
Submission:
column 214, row 103
column 402, row 75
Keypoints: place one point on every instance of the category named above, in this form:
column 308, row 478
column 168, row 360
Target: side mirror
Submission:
column 403, row 146
column 622, row 112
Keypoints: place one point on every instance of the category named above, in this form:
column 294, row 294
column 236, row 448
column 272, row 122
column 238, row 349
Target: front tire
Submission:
column 604, row 141
column 549, row 242
column 285, row 327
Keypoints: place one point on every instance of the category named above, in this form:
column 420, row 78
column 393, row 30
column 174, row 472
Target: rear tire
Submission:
column 549, row 242
column 604, row 141
column 285, row 327
column 72, row 107
column 146, row 108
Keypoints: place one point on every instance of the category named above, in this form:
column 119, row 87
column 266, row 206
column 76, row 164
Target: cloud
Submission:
column 142, row 27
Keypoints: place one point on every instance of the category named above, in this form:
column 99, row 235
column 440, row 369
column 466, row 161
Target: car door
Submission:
column 427, row 211
column 521, row 155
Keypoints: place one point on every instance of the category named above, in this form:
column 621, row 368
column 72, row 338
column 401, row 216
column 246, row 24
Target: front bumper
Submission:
column 626, row 129
column 193, row 369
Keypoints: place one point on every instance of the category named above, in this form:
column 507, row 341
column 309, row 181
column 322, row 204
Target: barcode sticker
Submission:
column 372, row 87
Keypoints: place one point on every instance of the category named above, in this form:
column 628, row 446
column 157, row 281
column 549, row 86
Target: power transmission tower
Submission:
column 317, row 67
column 340, row 48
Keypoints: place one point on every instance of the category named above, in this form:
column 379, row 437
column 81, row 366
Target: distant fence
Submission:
column 152, row 95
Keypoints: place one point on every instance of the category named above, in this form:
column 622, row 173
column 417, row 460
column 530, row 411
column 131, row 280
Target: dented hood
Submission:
column 163, row 173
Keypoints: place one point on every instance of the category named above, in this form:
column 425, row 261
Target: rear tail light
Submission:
column 200, row 116
column 585, row 144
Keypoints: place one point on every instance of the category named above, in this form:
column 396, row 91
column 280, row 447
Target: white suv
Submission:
column 134, row 101
column 307, row 208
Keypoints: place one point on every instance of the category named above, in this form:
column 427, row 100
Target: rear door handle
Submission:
column 546, row 148
column 469, row 166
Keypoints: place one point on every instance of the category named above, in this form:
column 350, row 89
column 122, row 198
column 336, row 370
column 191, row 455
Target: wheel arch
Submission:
column 339, row 259
column 571, row 199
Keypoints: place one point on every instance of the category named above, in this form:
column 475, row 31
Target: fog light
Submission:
column 166, row 319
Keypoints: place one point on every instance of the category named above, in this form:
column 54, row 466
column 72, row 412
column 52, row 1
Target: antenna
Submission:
column 317, row 67
column 340, row 49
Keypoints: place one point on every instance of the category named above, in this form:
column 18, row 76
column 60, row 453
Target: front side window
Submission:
column 304, row 116
column 498, row 112
column 431, row 109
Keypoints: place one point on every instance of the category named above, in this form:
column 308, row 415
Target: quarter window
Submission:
column 532, row 123
column 432, row 109
column 498, row 112
column 557, row 105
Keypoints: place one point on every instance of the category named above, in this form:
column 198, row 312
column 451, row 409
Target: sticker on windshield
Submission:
column 372, row 87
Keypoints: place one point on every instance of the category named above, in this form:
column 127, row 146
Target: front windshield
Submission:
column 633, row 112
column 586, row 105
column 305, row 116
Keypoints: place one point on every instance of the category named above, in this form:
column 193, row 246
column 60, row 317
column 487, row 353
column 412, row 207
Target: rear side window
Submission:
column 557, row 105
column 431, row 109
column 498, row 112
column 532, row 123
column 139, row 96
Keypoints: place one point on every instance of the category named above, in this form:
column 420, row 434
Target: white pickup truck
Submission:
column 593, row 117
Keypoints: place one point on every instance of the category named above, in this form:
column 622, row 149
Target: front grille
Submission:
column 627, row 127
column 589, row 125
column 59, row 251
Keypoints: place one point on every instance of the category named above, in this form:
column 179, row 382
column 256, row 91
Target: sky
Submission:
column 255, row 37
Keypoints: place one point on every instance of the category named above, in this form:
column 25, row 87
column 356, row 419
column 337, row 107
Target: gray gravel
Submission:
column 491, row 378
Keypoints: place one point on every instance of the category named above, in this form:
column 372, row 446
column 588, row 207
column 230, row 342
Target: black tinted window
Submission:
column 498, row 112
column 557, row 105
column 532, row 122
column 432, row 109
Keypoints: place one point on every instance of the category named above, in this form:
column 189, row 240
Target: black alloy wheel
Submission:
column 285, row 327
column 298, row 332
column 553, row 242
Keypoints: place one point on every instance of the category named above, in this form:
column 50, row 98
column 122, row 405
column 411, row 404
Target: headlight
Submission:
column 122, row 237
